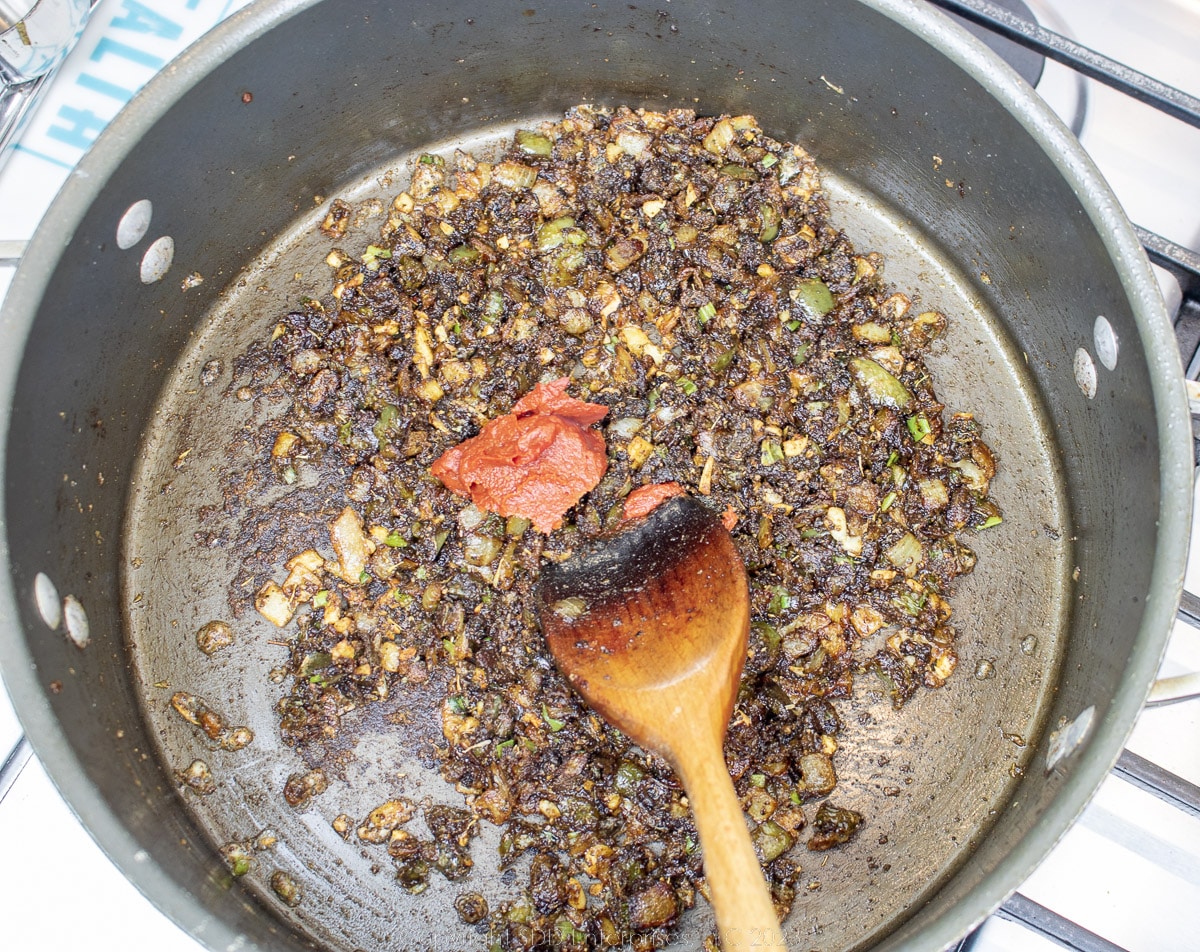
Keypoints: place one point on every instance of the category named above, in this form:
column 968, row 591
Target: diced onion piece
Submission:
column 639, row 451
column 569, row 608
column 351, row 544
column 972, row 475
column 771, row 840
column 835, row 518
column 481, row 549
column 634, row 143
column 866, row 620
column 273, row 605
column 818, row 774
column 389, row 656
column 889, row 358
column 430, row 391
column 906, row 554
column 872, row 332
column 554, row 233
column 623, row 252
column 720, row 138
column 284, row 443
column 514, row 175
column 653, row 207
column 635, row 339
column 626, row 428
column 933, row 493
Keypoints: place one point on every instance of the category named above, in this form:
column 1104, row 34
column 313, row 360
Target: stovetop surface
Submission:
column 1127, row 874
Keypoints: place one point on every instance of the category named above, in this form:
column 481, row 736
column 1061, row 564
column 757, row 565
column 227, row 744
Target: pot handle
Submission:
column 10, row 253
column 1183, row 687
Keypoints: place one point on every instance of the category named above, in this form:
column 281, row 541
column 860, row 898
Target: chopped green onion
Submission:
column 813, row 297
column 314, row 662
column 534, row 143
column 886, row 504
column 800, row 353
column 771, row 452
column 882, row 388
column 724, row 362
column 429, row 159
column 768, row 632
column 395, row 540
column 493, row 307
column 918, row 427
column 439, row 540
column 771, row 840
column 891, row 460
column 910, row 602
column 779, row 601
column 289, row 474
column 687, row 385
column 741, row 173
column 554, row 233
column 568, row 262
column 457, row 704
column 387, row 418
column 374, row 253
column 768, row 160
column 758, row 779
column 793, row 326
column 464, row 254
column 553, row 723
column 320, row 598
column 504, row 745
column 707, row 312
column 363, row 577
column 567, row 933
column 628, row 776
column 770, row 223
column 991, row 521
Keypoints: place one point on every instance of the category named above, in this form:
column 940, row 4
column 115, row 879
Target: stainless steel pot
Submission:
column 1060, row 344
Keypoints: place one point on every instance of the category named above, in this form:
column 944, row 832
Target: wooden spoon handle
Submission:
column 746, row 917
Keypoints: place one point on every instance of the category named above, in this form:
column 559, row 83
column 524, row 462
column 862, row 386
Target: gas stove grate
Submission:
column 1181, row 262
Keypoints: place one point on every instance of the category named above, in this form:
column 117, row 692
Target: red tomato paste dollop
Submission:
column 535, row 462
column 645, row 499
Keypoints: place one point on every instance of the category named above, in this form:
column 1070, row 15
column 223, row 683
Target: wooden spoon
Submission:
column 651, row 629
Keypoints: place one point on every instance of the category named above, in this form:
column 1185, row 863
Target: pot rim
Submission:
column 952, row 41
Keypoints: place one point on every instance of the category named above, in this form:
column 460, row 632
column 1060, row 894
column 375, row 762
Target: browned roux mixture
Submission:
column 681, row 272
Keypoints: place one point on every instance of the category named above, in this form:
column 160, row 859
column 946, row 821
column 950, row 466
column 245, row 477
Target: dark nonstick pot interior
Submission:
column 1024, row 249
